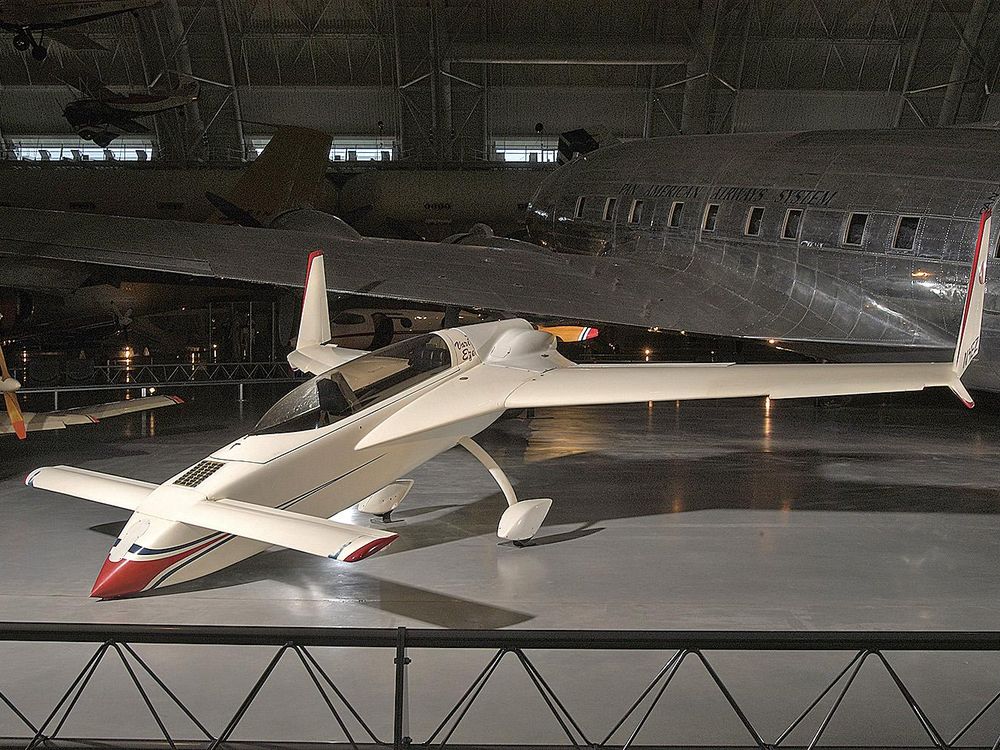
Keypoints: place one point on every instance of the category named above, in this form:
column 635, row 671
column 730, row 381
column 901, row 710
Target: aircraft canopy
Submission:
column 358, row 384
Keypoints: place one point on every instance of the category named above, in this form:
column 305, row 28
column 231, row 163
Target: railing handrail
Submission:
column 432, row 638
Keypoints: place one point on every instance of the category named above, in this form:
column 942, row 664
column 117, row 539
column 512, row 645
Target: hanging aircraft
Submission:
column 348, row 435
column 21, row 423
column 109, row 115
column 26, row 18
column 848, row 238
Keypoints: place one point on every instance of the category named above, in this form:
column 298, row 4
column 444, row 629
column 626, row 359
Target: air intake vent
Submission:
column 199, row 473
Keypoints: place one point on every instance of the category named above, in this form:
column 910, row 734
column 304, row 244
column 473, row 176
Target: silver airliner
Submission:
column 843, row 237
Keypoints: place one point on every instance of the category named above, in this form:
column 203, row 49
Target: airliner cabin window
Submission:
column 609, row 208
column 855, row 229
column 676, row 212
column 754, row 219
column 635, row 213
column 578, row 211
column 793, row 220
column 906, row 233
column 711, row 217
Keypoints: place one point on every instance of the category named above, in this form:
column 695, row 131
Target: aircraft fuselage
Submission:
column 859, row 237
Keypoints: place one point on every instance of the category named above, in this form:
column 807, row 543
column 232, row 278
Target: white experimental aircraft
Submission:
column 349, row 434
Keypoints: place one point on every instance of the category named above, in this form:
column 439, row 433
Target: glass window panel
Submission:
column 906, row 233
column 676, row 213
column 711, row 217
column 855, row 229
column 793, row 220
column 754, row 219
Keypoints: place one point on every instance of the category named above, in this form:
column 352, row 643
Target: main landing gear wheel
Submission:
column 523, row 518
column 23, row 41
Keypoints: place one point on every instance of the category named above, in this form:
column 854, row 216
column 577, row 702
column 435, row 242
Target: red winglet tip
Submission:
column 20, row 430
column 371, row 548
column 176, row 399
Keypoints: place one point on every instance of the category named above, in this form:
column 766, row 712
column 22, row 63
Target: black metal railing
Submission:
column 121, row 641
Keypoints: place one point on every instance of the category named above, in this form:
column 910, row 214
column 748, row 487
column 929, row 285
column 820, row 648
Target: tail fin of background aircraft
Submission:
column 286, row 175
column 972, row 318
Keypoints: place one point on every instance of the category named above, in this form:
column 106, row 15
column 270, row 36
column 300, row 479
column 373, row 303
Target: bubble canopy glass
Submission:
column 358, row 384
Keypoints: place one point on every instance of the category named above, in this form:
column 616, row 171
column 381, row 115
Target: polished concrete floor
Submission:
column 743, row 515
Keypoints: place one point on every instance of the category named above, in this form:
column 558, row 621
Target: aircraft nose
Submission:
column 122, row 578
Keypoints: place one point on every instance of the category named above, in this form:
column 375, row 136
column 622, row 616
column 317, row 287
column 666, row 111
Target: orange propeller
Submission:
column 13, row 408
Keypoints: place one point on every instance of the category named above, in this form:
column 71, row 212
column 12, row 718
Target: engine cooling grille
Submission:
column 198, row 473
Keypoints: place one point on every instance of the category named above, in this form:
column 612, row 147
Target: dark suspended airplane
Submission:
column 27, row 18
column 860, row 238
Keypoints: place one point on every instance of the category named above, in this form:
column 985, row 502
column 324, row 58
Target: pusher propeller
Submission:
column 9, row 387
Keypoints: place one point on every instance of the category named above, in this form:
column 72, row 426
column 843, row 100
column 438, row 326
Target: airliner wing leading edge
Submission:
column 517, row 280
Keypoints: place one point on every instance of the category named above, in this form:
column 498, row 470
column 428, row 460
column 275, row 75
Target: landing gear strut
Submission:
column 522, row 519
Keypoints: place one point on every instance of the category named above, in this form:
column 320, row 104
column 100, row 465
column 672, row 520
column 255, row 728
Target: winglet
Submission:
column 314, row 328
column 972, row 317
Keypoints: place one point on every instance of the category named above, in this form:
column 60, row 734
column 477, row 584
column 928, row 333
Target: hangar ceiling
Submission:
column 444, row 79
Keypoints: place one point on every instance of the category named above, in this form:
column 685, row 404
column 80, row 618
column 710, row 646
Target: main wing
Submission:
column 641, row 291
column 59, row 420
column 613, row 384
column 620, row 384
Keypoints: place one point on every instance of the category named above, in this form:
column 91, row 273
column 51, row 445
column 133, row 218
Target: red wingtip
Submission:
column 371, row 548
column 591, row 333
column 20, row 430
column 176, row 399
column 309, row 265
column 969, row 404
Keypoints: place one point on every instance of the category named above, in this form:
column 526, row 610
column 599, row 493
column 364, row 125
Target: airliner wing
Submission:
column 636, row 291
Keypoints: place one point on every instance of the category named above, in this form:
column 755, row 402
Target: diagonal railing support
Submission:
column 72, row 696
column 321, row 681
column 929, row 729
column 166, row 690
column 454, row 717
column 18, row 713
column 309, row 659
column 971, row 722
column 851, row 670
column 663, row 678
